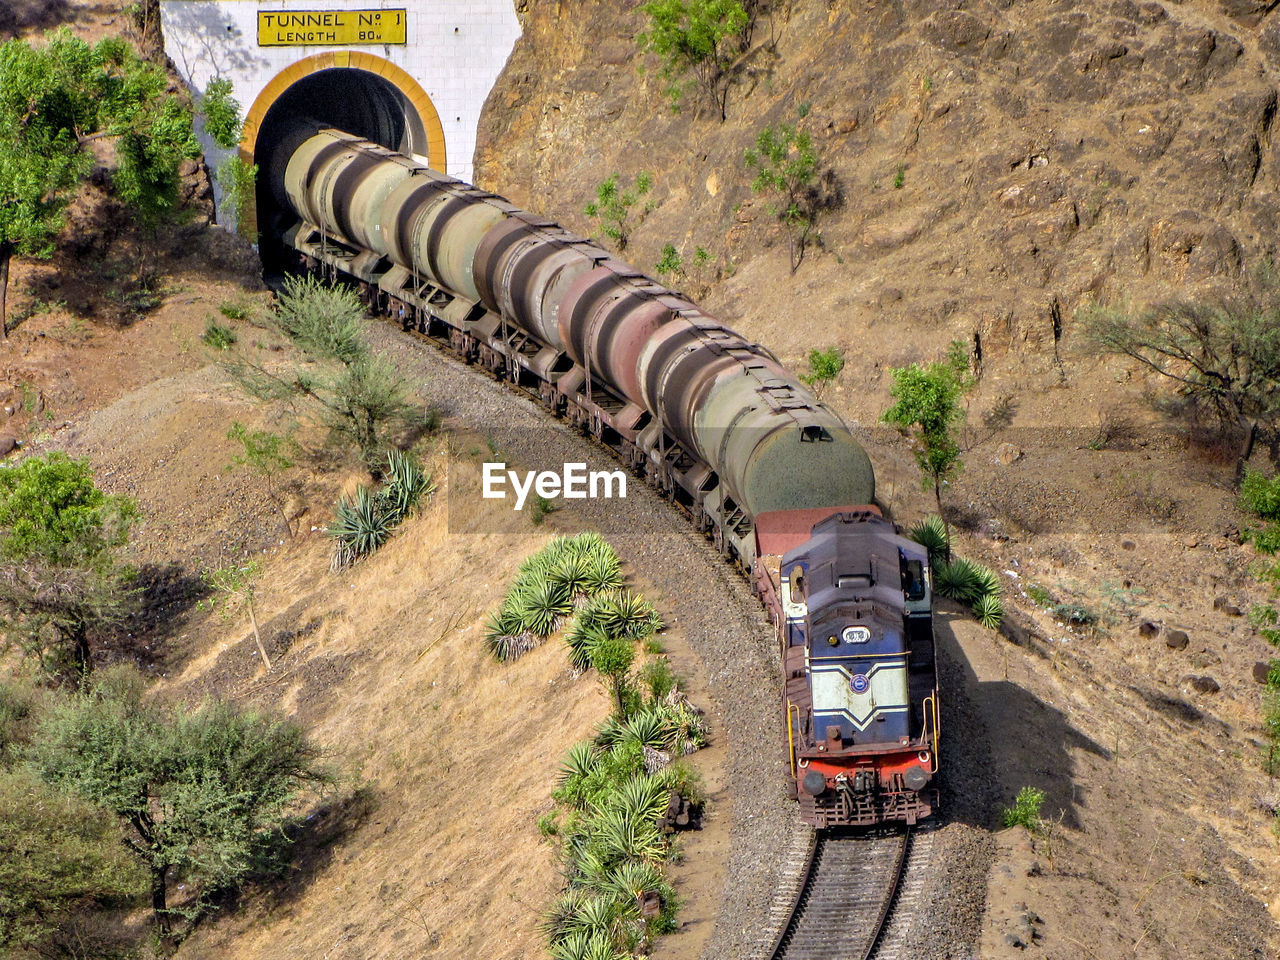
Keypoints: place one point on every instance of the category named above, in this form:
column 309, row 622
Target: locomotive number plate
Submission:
column 856, row 635
column 331, row 28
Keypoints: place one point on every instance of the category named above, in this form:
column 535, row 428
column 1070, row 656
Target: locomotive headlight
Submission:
column 915, row 777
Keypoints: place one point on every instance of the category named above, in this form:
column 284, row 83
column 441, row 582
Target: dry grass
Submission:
column 461, row 752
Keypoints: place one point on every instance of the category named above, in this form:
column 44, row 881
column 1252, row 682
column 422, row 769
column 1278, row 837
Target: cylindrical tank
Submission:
column 445, row 237
column 680, row 363
column 606, row 319
column 777, row 448
column 533, row 275
column 405, row 204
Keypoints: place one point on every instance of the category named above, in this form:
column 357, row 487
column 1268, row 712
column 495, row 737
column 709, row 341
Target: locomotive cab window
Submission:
column 913, row 579
column 797, row 584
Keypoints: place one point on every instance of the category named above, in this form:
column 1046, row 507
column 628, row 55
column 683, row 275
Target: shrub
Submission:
column 61, row 578
column 1025, row 811
column 1075, row 614
column 218, row 336
column 658, row 678
column 58, row 852
column 824, row 367
column 199, row 791
column 239, row 181
column 670, row 262
column 1223, row 355
column 612, row 207
column 927, row 408
column 786, row 166
column 325, row 320
column 1260, row 495
column 696, row 36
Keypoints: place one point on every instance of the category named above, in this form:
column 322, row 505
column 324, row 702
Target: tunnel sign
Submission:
column 342, row 28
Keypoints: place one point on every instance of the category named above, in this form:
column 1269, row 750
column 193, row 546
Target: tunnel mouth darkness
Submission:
column 347, row 98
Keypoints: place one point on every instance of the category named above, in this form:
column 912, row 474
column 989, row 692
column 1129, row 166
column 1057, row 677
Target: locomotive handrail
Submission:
column 791, row 739
column 931, row 711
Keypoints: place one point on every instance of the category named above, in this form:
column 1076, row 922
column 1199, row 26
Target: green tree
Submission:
column 221, row 113
column 670, row 262
column 202, row 793
column 239, row 180
column 357, row 395
column 1223, row 355
column 59, row 573
column 265, row 455
column 612, row 207
column 786, row 166
column 701, row 37
column 237, row 177
column 58, row 853
column 612, row 657
column 56, row 99
column 824, row 367
column 927, row 408
column 236, row 586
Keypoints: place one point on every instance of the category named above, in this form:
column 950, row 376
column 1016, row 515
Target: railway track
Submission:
column 856, row 897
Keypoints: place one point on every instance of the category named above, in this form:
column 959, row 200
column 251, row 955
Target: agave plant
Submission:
column 581, row 638
column 603, row 948
column 406, row 484
column 625, row 613
column 958, row 579
column 572, row 946
column 931, row 533
column 603, row 573
column 685, row 728
column 541, row 606
column 620, row 838
column 360, row 526
column 989, row 611
column 571, row 573
column 506, row 636
column 598, row 915
column 611, row 731
column 988, row 580
column 648, row 728
column 642, row 797
column 561, row 921
column 636, row 878
column 580, row 760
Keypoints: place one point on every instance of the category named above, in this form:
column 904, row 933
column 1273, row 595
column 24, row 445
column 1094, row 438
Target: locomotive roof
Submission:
column 854, row 557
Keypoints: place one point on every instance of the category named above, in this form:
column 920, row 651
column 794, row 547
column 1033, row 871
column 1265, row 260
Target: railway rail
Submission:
column 856, row 896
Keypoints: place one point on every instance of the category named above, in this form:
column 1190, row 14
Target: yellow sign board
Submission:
column 322, row 28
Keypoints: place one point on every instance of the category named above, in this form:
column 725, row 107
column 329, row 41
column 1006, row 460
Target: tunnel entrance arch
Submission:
column 350, row 90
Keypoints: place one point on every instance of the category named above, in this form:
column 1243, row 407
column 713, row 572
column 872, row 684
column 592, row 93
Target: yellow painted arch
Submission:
column 358, row 60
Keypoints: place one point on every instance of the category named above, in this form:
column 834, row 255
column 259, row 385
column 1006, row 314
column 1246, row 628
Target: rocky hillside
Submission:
column 1048, row 151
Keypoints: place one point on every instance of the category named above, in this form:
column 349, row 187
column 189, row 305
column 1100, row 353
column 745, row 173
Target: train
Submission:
column 773, row 476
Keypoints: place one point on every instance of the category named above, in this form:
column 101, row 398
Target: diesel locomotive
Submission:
column 714, row 421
